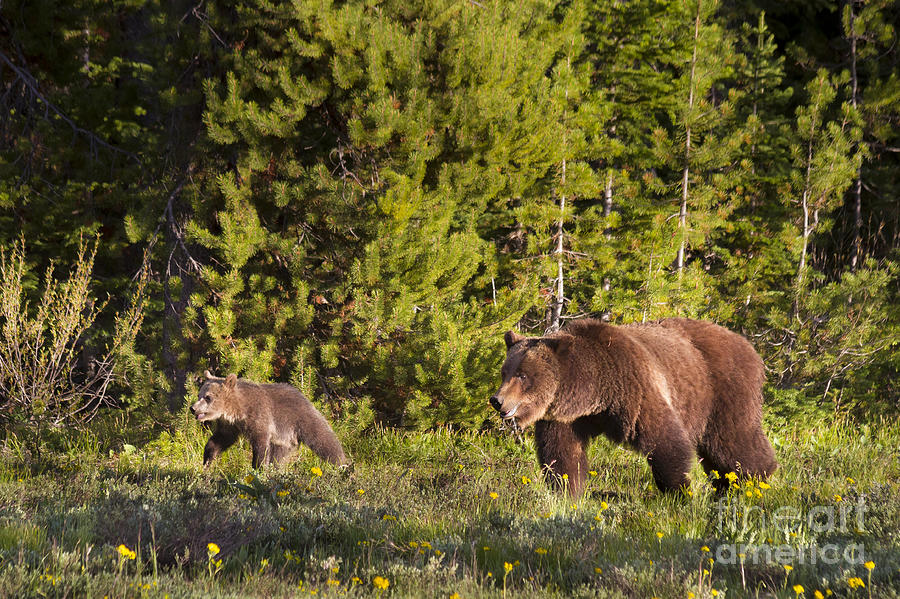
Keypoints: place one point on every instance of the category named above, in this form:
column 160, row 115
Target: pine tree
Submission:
column 692, row 172
column 381, row 162
column 824, row 161
column 634, row 62
column 562, row 218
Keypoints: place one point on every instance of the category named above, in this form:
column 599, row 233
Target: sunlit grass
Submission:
column 440, row 513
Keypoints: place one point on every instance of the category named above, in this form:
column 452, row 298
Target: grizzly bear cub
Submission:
column 669, row 389
column 274, row 418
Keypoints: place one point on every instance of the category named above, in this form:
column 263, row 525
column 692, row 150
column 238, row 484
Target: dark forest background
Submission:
column 359, row 198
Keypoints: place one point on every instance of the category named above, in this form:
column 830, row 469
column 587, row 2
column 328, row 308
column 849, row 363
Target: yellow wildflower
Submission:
column 381, row 583
column 869, row 565
column 540, row 551
column 507, row 567
column 525, row 480
column 493, row 495
column 212, row 548
column 818, row 594
column 855, row 582
column 126, row 552
column 788, row 568
column 704, row 549
column 798, row 589
column 764, row 485
column 604, row 506
column 316, row 471
column 731, row 476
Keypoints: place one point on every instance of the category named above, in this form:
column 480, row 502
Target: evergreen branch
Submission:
column 31, row 83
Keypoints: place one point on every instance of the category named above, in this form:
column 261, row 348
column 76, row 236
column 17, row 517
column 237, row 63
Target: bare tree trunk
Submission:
column 607, row 210
column 560, row 281
column 807, row 227
column 682, row 215
column 855, row 249
column 556, row 312
column 808, row 224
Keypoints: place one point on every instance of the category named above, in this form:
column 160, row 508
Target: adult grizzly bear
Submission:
column 274, row 418
column 668, row 389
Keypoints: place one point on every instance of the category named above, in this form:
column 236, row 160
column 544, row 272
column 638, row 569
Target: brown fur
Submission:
column 274, row 418
column 669, row 389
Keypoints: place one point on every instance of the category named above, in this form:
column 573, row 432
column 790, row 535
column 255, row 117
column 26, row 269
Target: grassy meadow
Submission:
column 443, row 514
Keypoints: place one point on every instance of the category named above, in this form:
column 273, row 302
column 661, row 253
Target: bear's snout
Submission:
column 497, row 404
column 195, row 409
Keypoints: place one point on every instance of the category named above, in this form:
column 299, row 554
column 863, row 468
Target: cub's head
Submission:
column 529, row 377
column 215, row 398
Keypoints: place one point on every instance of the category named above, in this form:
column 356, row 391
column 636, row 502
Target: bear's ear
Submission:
column 230, row 381
column 512, row 338
column 560, row 344
column 208, row 374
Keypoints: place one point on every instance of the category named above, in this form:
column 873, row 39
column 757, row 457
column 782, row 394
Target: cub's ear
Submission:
column 561, row 344
column 208, row 374
column 512, row 338
column 231, row 381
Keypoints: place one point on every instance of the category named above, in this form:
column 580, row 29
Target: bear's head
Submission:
column 216, row 398
column 530, row 376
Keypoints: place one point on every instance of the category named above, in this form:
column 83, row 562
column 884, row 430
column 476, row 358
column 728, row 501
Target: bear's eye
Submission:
column 521, row 376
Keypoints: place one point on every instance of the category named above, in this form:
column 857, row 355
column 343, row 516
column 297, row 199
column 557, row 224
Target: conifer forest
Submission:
column 360, row 198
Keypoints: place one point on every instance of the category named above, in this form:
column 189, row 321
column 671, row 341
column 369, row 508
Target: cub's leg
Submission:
column 279, row 453
column 561, row 451
column 223, row 438
column 261, row 446
column 314, row 431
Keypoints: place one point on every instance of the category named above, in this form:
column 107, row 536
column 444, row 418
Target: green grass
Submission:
column 417, row 510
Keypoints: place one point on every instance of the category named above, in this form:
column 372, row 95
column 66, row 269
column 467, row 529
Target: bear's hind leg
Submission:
column 561, row 452
column 745, row 452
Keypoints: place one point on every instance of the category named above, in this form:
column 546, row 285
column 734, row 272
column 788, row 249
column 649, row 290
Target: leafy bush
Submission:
column 49, row 371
